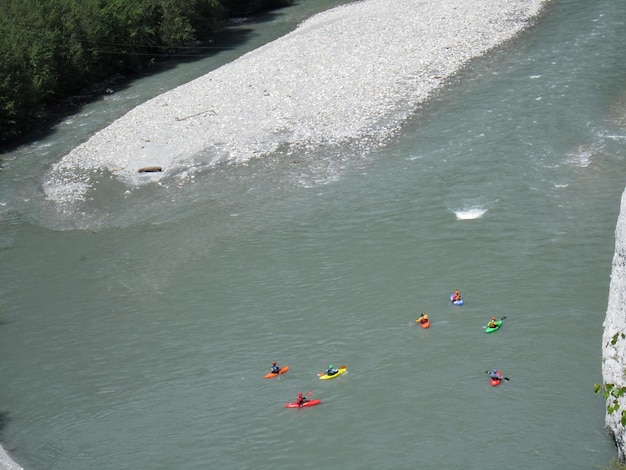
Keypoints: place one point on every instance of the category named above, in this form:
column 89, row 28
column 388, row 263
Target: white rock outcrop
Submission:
column 614, row 337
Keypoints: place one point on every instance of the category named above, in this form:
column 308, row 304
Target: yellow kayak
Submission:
column 342, row 370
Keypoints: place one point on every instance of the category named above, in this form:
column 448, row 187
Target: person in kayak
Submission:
column 456, row 296
column 301, row 399
column 495, row 375
column 423, row 318
column 492, row 323
column 275, row 368
column 331, row 370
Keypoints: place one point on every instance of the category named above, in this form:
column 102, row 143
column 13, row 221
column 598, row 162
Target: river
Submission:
column 141, row 339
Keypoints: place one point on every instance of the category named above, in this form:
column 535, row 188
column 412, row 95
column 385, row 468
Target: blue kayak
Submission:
column 456, row 302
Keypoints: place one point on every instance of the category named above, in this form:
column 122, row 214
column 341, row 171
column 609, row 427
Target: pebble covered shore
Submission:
column 353, row 72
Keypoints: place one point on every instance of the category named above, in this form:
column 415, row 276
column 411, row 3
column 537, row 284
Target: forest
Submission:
column 55, row 53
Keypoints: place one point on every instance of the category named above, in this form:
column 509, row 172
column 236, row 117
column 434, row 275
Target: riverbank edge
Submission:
column 614, row 335
column 6, row 463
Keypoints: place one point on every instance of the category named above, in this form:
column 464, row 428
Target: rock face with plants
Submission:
column 614, row 342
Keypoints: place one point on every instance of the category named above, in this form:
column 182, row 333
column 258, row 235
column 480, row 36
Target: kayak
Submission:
column 306, row 403
column 342, row 370
column 425, row 324
column 281, row 371
column 495, row 382
column 456, row 302
column 495, row 328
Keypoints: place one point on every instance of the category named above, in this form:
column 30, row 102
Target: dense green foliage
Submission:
column 52, row 49
column 612, row 394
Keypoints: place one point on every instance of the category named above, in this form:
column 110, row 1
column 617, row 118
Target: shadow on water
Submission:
column 232, row 36
column 4, row 419
column 4, row 422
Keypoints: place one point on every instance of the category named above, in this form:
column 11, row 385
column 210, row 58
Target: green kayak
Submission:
column 495, row 328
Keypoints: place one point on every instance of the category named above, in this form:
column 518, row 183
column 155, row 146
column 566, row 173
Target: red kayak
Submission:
column 423, row 324
column 306, row 403
column 495, row 382
column 276, row 374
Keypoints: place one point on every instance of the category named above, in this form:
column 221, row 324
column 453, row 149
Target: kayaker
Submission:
column 456, row 296
column 301, row 399
column 331, row 370
column 423, row 318
column 494, row 374
column 275, row 368
column 492, row 323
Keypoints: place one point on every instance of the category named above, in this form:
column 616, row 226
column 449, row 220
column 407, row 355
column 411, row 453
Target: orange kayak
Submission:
column 273, row 374
column 425, row 324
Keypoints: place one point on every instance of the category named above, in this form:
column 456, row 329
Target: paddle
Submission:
column 319, row 374
column 501, row 319
column 506, row 379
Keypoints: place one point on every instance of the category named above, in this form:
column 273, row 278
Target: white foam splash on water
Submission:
column 470, row 214
column 581, row 158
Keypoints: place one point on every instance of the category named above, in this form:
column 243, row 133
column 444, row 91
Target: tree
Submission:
column 53, row 49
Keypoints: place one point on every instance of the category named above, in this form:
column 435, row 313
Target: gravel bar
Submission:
column 354, row 72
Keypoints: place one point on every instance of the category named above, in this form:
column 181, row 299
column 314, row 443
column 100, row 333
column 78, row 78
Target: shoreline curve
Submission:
column 6, row 463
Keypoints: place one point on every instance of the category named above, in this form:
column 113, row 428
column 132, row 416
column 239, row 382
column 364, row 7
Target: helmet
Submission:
column 495, row 371
column 330, row 366
column 274, row 363
column 493, row 318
